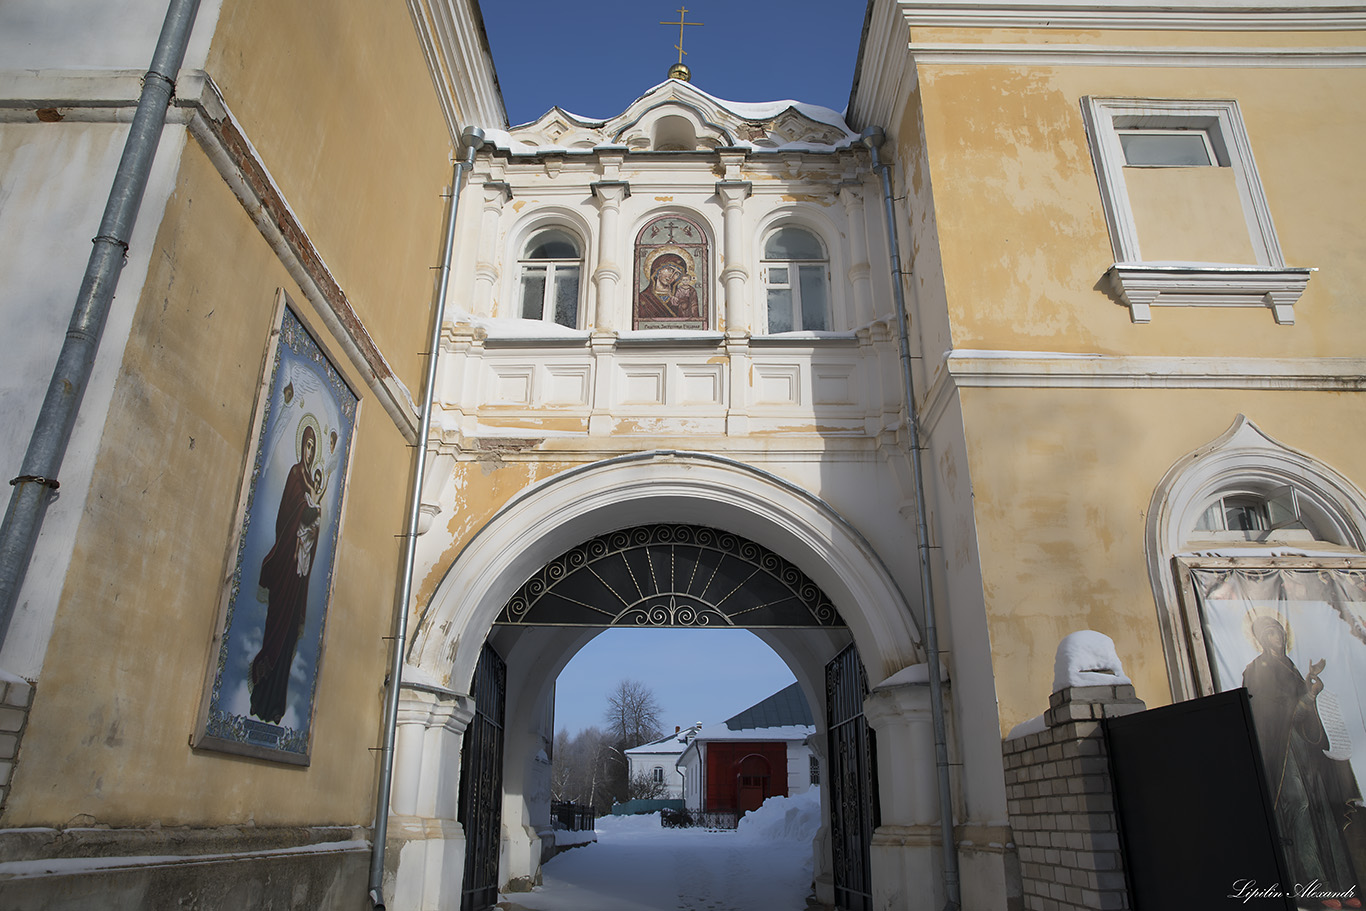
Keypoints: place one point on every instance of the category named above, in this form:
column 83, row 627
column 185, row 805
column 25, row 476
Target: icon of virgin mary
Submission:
column 285, row 573
column 671, row 293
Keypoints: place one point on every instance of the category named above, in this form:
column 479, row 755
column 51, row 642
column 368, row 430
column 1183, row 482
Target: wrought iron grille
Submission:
column 574, row 817
column 670, row 576
column 715, row 820
column 481, row 783
column 853, row 781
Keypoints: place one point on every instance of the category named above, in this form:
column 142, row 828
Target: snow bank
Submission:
column 564, row 838
column 784, row 819
column 1087, row 658
column 638, row 865
column 628, row 826
column 1025, row 728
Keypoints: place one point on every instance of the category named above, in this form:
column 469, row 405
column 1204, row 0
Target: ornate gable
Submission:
column 674, row 116
column 557, row 129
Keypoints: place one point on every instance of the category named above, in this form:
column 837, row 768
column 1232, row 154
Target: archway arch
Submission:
column 542, row 523
column 560, row 512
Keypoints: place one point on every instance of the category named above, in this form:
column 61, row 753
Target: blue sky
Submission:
column 697, row 675
column 594, row 57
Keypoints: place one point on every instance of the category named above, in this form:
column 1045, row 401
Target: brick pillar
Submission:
column 16, row 698
column 1062, row 807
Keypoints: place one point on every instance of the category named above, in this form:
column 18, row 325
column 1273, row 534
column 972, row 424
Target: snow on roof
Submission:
column 786, row 732
column 576, row 129
column 916, row 673
column 671, row 744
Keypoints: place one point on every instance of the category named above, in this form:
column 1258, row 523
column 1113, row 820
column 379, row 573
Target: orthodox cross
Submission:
column 682, row 16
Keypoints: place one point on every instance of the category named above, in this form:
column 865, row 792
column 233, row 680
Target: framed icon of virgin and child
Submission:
column 263, row 675
column 670, row 284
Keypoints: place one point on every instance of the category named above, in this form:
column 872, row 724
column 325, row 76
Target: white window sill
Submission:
column 1142, row 286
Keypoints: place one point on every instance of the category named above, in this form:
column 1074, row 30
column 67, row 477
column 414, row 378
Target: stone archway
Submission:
column 542, row 523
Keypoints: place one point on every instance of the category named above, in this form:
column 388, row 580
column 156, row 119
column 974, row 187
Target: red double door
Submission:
column 742, row 775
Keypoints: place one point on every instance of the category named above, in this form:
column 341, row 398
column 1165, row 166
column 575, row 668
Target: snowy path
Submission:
column 637, row 865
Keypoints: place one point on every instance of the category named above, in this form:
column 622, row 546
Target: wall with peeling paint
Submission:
column 338, row 101
column 306, row 152
column 1024, row 238
column 54, row 180
column 130, row 669
column 1061, row 522
column 1011, row 251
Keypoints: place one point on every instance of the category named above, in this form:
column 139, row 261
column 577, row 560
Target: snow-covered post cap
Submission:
column 1087, row 658
column 1089, row 682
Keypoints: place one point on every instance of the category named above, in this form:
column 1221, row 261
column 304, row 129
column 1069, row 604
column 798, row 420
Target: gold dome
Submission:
column 680, row 71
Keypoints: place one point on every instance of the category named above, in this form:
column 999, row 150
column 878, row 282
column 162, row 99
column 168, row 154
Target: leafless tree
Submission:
column 644, row 786
column 632, row 714
column 583, row 769
column 562, row 768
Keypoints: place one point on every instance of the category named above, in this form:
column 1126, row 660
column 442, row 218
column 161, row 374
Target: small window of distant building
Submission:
column 549, row 283
column 815, row 770
column 659, row 774
column 797, row 280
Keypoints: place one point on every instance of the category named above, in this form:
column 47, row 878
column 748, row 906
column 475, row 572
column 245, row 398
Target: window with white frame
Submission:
column 1259, row 512
column 796, row 274
column 1188, row 219
column 549, row 278
column 659, row 774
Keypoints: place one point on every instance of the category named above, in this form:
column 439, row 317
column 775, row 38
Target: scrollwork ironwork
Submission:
column 669, row 575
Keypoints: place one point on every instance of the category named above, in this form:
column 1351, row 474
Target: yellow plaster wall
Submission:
column 120, row 693
column 1023, row 236
column 483, row 485
column 337, row 99
column 1061, row 483
column 1184, row 214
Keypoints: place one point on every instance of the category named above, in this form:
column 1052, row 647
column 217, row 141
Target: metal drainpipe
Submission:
column 37, row 478
column 470, row 142
column 871, row 139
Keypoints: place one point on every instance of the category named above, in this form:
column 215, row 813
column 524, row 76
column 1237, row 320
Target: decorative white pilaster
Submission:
column 734, row 275
column 905, row 853
column 496, row 195
column 424, row 836
column 733, row 194
column 607, row 275
column 860, row 273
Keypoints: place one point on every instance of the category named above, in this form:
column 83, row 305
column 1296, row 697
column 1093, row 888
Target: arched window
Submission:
column 1247, row 517
column 1261, row 510
column 549, row 281
column 796, row 277
column 1256, row 553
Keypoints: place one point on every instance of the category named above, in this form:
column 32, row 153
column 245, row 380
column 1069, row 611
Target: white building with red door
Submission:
column 760, row 753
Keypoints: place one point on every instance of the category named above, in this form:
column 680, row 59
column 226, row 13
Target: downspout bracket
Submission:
column 50, row 483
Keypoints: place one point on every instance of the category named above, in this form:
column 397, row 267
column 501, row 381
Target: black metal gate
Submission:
column 852, row 758
column 1197, row 823
column 481, row 784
